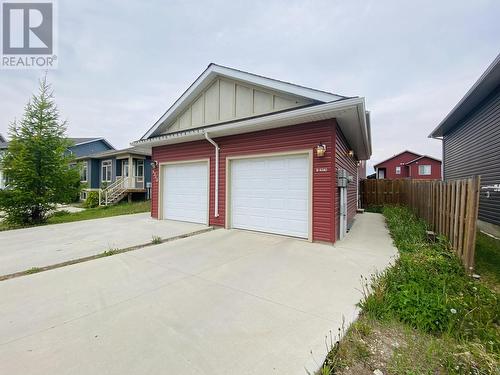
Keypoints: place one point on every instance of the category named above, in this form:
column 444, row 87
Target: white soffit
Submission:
column 350, row 114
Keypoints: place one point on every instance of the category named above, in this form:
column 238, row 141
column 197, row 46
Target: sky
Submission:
column 121, row 64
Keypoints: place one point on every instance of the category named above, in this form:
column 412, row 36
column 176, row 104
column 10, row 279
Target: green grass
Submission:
column 108, row 253
column 448, row 322
column 93, row 213
column 102, row 212
column 33, row 270
column 488, row 260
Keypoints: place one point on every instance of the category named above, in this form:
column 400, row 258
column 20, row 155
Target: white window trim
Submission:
column 398, row 170
column 139, row 163
column 103, row 177
column 85, row 165
column 423, row 166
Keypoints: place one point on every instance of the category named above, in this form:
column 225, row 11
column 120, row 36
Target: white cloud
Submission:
column 121, row 65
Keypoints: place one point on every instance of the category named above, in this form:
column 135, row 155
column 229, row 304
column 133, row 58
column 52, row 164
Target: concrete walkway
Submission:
column 23, row 249
column 223, row 302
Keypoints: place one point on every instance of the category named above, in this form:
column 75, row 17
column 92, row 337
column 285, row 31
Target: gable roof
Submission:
column 422, row 157
column 214, row 70
column 109, row 153
column 77, row 142
column 488, row 81
column 396, row 155
column 81, row 141
column 350, row 113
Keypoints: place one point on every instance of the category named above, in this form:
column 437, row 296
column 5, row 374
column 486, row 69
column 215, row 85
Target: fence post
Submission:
column 472, row 219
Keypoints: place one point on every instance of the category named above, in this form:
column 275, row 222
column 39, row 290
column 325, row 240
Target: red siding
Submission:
column 297, row 137
column 344, row 161
column 409, row 171
column 435, row 169
column 397, row 161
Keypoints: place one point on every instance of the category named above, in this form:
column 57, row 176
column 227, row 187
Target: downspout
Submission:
column 357, row 184
column 216, row 213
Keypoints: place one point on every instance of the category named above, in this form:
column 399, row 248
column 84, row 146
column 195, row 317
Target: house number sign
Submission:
column 321, row 169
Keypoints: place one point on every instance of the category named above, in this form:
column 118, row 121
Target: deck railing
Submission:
column 115, row 191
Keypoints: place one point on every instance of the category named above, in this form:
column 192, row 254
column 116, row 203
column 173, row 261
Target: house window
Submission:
column 140, row 168
column 424, row 170
column 84, row 172
column 398, row 170
column 106, row 171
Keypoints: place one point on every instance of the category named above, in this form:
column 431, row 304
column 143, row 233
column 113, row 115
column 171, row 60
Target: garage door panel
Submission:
column 184, row 189
column 271, row 194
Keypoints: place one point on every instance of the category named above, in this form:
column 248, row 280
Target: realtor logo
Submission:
column 28, row 35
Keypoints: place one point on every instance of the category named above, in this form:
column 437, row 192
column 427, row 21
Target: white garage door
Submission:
column 185, row 192
column 271, row 195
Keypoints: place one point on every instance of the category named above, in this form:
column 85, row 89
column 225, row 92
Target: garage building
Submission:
column 239, row 150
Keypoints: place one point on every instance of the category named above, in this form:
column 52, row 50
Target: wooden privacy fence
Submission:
column 450, row 208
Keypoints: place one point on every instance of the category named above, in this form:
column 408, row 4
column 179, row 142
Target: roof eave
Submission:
column 95, row 140
column 393, row 156
column 488, row 81
column 351, row 116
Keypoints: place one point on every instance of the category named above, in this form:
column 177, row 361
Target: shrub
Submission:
column 92, row 199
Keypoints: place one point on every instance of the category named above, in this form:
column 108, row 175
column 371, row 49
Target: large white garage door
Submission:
column 185, row 192
column 271, row 194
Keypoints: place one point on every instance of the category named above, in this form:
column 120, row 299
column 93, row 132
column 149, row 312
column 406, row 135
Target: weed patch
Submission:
column 109, row 252
column 33, row 270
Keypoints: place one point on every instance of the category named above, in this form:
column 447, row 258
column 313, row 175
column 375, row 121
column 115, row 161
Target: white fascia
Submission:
column 302, row 115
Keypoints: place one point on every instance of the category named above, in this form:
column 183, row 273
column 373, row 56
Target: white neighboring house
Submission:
column 3, row 147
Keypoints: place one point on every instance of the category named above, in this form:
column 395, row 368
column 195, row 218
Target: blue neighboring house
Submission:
column 116, row 174
column 88, row 146
column 80, row 147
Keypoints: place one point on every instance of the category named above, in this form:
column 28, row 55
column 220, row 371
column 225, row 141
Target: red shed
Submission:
column 409, row 164
column 243, row 151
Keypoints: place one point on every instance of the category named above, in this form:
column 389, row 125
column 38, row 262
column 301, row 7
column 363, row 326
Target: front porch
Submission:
column 116, row 174
column 121, row 188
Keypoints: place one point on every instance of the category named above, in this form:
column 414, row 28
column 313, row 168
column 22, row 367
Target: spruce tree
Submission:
column 37, row 162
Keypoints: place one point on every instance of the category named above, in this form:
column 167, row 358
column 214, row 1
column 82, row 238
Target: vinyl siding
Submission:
column 397, row 161
column 292, row 138
column 413, row 170
column 147, row 170
column 89, row 148
column 344, row 161
column 473, row 148
column 95, row 166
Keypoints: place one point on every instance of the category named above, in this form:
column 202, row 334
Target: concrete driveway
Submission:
column 222, row 302
column 23, row 249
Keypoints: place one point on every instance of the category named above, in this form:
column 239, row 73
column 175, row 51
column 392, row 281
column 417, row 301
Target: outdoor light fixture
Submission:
column 154, row 164
column 350, row 153
column 320, row 150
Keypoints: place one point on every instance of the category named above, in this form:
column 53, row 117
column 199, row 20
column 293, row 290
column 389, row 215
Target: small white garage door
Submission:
column 271, row 194
column 185, row 192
